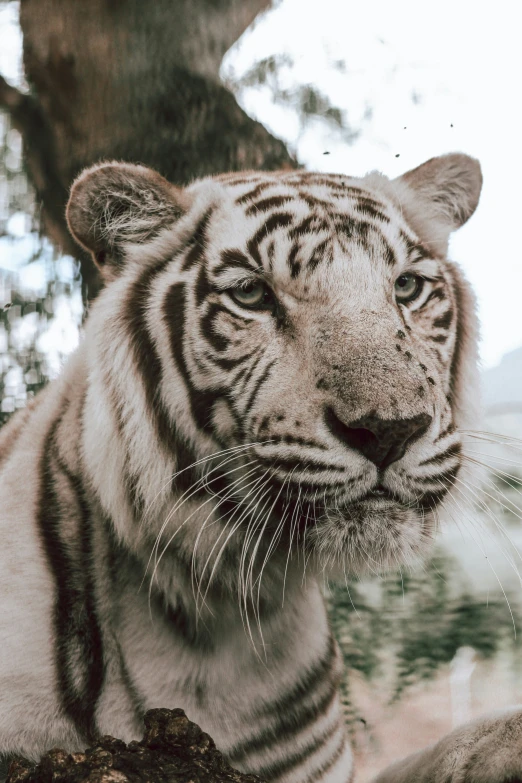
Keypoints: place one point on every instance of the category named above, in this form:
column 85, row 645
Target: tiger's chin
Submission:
column 369, row 536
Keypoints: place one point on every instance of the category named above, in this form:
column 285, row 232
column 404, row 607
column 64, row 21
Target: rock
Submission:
column 173, row 750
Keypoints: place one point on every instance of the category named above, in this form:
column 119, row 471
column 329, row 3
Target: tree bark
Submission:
column 127, row 80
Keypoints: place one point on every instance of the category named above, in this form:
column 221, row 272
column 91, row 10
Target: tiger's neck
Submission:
column 209, row 616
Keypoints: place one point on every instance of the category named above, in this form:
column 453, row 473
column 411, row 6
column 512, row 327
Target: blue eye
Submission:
column 408, row 287
column 252, row 294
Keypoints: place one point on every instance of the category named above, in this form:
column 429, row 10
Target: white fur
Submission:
column 255, row 629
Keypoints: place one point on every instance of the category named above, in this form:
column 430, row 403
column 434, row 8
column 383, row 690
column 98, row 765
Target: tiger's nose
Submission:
column 382, row 441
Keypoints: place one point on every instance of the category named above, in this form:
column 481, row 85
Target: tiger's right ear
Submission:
column 116, row 204
column 439, row 196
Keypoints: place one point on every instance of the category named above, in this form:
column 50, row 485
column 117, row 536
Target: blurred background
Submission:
column 199, row 87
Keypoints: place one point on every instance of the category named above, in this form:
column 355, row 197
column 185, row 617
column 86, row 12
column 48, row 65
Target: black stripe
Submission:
column 203, row 286
column 148, row 364
column 448, row 476
column 452, row 451
column 293, row 262
column 233, row 258
column 446, row 479
column 201, row 402
column 389, row 253
column 197, row 242
column 116, row 556
column 439, row 338
column 323, row 769
column 78, row 634
column 444, row 320
column 196, row 635
column 319, row 255
column 437, row 293
column 287, row 725
column 270, row 252
column 432, row 498
column 372, row 209
column 276, row 769
column 275, row 221
column 237, row 178
column 233, row 181
column 449, row 429
column 313, row 201
column 308, row 682
column 331, row 183
column 416, row 250
column 251, row 194
column 226, row 364
column 260, row 381
column 266, row 204
column 246, row 373
column 290, row 464
column 331, row 488
column 358, row 230
column 208, row 327
column 275, row 439
column 312, row 224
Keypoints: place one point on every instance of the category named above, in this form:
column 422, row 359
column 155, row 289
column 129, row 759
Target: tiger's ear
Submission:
column 112, row 205
column 440, row 196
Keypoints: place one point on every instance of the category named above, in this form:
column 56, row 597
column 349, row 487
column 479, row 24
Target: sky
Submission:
column 438, row 77
column 417, row 80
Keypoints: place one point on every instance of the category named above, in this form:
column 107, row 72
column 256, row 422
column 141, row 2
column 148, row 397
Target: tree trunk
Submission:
column 135, row 81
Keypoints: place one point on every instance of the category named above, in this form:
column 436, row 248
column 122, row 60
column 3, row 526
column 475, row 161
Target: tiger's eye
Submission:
column 252, row 294
column 408, row 287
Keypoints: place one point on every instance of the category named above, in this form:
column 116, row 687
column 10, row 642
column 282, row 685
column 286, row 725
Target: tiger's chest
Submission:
column 269, row 700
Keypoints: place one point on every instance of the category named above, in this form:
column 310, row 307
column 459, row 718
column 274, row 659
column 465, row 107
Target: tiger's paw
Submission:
column 488, row 750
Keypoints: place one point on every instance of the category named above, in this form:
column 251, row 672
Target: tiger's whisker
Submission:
column 199, row 582
column 185, row 521
column 466, row 518
column 214, row 455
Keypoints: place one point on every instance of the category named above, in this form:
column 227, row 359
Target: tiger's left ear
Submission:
column 439, row 196
column 116, row 204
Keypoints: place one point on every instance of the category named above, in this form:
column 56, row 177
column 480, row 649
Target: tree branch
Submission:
column 136, row 82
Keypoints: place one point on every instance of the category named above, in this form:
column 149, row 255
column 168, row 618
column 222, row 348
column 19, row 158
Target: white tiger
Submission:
column 272, row 383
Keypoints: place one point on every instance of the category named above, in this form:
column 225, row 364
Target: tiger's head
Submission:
column 295, row 346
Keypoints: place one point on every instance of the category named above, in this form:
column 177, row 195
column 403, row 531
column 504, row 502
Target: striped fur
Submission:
column 168, row 504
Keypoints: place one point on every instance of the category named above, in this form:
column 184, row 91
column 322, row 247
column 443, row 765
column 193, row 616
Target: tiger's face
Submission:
column 310, row 327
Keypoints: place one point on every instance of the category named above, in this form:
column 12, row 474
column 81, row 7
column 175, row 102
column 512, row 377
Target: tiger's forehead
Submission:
column 291, row 225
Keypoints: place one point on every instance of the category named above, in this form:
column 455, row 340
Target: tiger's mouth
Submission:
column 341, row 530
column 309, row 504
column 382, row 494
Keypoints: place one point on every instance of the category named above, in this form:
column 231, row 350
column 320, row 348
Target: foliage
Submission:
column 35, row 285
column 309, row 104
column 411, row 625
